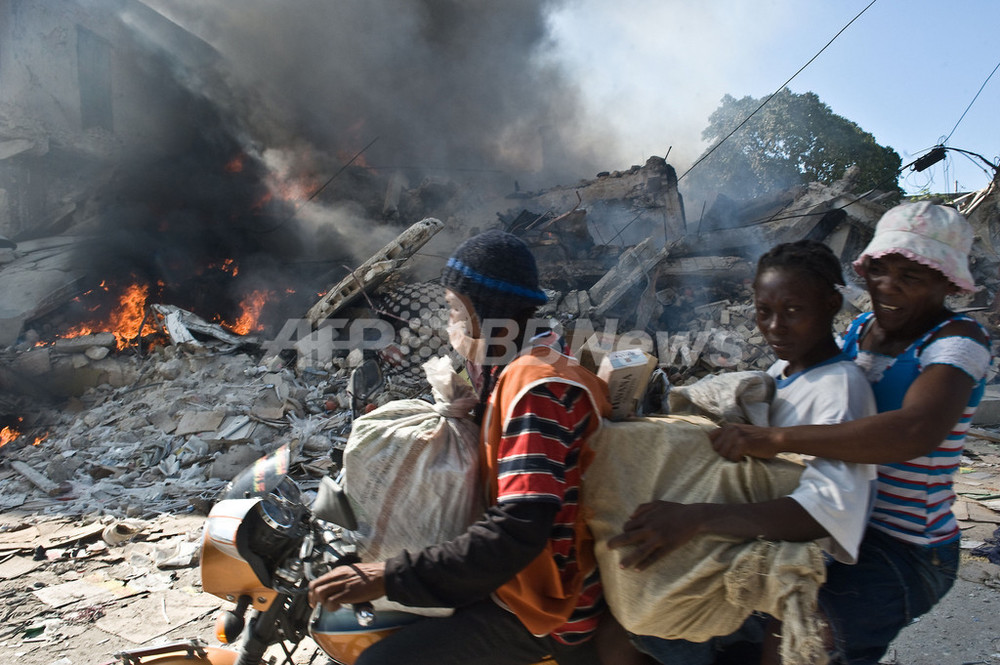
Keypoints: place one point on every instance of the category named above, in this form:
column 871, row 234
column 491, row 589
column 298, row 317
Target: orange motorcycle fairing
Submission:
column 223, row 574
column 339, row 635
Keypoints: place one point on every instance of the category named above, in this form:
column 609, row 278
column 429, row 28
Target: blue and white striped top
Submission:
column 914, row 498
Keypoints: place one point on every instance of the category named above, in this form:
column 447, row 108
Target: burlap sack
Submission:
column 709, row 586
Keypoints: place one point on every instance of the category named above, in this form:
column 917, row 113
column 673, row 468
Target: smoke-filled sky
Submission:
column 477, row 85
column 904, row 71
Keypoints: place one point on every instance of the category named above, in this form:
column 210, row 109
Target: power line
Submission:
column 773, row 94
column 971, row 103
column 316, row 193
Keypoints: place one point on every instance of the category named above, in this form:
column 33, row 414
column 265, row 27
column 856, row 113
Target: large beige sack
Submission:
column 709, row 586
column 412, row 470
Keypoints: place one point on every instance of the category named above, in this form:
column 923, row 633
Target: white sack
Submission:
column 412, row 469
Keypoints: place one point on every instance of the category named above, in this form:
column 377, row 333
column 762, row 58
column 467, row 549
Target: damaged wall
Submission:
column 78, row 93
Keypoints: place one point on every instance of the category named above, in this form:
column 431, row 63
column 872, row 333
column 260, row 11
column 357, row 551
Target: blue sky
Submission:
column 904, row 71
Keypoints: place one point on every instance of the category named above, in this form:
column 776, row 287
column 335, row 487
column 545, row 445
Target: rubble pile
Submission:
column 169, row 439
column 113, row 447
column 161, row 423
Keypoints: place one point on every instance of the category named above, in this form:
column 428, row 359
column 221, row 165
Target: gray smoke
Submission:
column 442, row 86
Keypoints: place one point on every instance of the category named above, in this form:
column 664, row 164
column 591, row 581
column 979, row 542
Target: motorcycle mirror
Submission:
column 331, row 504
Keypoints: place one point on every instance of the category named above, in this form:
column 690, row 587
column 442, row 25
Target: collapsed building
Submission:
column 158, row 328
column 185, row 390
column 160, row 331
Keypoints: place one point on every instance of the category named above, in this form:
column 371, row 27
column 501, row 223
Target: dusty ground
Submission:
column 70, row 598
column 963, row 629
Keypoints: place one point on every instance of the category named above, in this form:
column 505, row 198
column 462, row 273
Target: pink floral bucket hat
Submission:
column 936, row 236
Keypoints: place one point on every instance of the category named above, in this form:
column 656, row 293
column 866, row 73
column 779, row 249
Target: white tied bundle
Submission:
column 412, row 469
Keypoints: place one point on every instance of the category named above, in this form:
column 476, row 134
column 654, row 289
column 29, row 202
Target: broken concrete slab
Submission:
column 988, row 412
column 193, row 422
column 161, row 612
column 83, row 343
column 93, row 590
column 38, row 479
column 16, row 566
column 43, row 276
column 178, row 324
column 623, row 207
column 375, row 270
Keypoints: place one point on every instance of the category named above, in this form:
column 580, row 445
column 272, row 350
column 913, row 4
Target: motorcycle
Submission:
column 261, row 546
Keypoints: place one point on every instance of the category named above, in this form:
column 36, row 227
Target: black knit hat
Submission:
column 497, row 272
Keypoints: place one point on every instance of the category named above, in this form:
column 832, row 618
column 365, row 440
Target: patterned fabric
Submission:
column 932, row 235
column 541, row 413
column 914, row 498
column 538, row 461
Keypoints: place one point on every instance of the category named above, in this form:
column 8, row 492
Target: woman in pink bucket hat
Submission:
column 927, row 366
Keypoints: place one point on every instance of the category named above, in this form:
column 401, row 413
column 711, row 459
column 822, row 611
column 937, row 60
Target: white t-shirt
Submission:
column 836, row 494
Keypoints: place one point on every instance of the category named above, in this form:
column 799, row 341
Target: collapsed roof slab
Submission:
column 645, row 199
column 42, row 276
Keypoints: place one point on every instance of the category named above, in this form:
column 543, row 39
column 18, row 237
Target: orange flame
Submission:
column 124, row 320
column 39, row 439
column 8, row 434
column 127, row 317
column 79, row 330
column 252, row 305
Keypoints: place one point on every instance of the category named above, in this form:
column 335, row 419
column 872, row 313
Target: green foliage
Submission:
column 794, row 139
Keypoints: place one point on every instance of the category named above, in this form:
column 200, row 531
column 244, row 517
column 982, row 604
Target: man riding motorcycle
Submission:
column 523, row 577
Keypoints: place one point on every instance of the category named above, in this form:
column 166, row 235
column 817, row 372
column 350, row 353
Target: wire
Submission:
column 793, row 212
column 971, row 103
column 967, row 153
column 319, row 189
column 773, row 94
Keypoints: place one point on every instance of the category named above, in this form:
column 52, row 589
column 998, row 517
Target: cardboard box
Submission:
column 627, row 374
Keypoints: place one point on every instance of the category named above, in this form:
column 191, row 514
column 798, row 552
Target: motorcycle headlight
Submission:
column 271, row 531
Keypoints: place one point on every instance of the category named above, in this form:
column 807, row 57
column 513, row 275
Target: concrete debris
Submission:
column 111, row 440
column 179, row 325
column 41, row 275
column 37, row 479
column 161, row 428
column 375, row 270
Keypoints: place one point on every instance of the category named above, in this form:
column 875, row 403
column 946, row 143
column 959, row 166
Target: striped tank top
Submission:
column 914, row 498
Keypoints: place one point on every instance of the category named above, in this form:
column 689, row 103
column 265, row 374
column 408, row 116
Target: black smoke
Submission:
column 444, row 86
column 337, row 95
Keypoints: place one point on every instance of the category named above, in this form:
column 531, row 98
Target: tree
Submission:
column 793, row 139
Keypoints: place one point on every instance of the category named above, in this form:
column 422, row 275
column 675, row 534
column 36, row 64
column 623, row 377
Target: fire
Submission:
column 227, row 265
column 8, row 434
column 251, row 306
column 235, row 165
column 125, row 319
column 39, row 439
